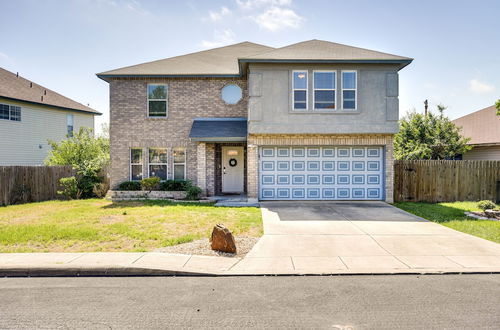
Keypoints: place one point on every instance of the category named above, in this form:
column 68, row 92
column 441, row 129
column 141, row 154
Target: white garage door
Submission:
column 321, row 173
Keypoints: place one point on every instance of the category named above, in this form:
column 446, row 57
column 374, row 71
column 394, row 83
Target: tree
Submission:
column 429, row 137
column 86, row 153
column 497, row 105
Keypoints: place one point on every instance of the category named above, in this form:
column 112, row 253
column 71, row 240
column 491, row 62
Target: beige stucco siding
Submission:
column 483, row 153
column 25, row 142
column 270, row 104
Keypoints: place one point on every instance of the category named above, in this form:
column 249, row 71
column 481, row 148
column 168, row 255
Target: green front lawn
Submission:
column 452, row 215
column 101, row 225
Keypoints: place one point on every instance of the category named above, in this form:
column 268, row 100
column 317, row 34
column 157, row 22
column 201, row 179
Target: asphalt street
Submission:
column 330, row 302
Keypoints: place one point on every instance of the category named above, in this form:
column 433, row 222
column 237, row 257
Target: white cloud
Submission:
column 218, row 15
column 480, row 87
column 221, row 38
column 249, row 4
column 276, row 18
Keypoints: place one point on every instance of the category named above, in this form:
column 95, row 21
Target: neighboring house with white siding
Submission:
column 30, row 115
column 483, row 127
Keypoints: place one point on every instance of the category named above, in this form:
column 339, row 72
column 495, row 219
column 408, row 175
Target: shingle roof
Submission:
column 219, row 129
column 217, row 61
column 482, row 126
column 230, row 60
column 320, row 50
column 16, row 87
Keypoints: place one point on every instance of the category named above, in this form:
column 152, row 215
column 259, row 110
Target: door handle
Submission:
column 224, row 170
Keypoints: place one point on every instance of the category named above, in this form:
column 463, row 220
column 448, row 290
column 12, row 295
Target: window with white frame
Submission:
column 135, row 164
column 10, row 112
column 69, row 124
column 179, row 164
column 299, row 90
column 324, row 90
column 158, row 164
column 349, row 90
column 157, row 100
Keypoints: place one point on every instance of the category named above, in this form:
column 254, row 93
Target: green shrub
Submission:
column 151, row 183
column 69, row 188
column 130, row 185
column 175, row 185
column 193, row 193
column 486, row 205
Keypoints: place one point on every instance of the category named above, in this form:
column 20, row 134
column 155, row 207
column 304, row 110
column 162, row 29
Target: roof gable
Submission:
column 15, row 87
column 218, row 61
column 482, row 126
column 320, row 50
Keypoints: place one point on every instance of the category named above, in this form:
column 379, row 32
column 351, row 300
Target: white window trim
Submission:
column 300, row 89
column 326, row 89
column 148, row 99
column 184, row 163
column 141, row 163
column 10, row 113
column 149, row 163
column 355, row 89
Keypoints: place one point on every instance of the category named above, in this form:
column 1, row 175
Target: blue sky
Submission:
column 62, row 44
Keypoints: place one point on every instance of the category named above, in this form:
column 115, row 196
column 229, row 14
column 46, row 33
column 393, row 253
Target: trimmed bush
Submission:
column 193, row 193
column 175, row 185
column 151, row 183
column 130, row 185
column 486, row 205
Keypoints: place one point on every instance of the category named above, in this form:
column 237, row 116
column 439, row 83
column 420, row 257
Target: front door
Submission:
column 232, row 169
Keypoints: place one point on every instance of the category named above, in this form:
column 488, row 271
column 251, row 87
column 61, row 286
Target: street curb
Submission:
column 83, row 272
column 150, row 272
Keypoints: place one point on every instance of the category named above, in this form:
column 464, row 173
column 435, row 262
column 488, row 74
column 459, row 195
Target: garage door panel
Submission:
column 318, row 173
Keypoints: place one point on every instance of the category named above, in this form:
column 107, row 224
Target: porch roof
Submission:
column 219, row 130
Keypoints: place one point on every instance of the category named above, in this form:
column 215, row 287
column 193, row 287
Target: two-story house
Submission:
column 310, row 121
column 30, row 115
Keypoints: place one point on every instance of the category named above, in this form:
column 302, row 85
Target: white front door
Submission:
column 232, row 169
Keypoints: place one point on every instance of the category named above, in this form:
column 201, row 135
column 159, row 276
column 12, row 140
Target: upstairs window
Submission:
column 349, row 90
column 158, row 163
column 324, row 90
column 69, row 124
column 157, row 100
column 300, row 90
column 135, row 164
column 10, row 112
column 179, row 164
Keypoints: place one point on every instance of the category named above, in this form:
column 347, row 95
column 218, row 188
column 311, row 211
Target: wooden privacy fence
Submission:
column 23, row 184
column 446, row 180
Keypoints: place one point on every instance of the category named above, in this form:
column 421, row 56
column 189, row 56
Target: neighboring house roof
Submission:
column 320, row 50
column 15, row 87
column 219, row 129
column 218, row 61
column 230, row 60
column 482, row 126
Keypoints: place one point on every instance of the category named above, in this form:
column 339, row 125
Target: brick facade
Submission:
column 188, row 98
column 254, row 141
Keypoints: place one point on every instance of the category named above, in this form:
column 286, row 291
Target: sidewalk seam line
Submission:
column 187, row 261
column 133, row 262
column 81, row 255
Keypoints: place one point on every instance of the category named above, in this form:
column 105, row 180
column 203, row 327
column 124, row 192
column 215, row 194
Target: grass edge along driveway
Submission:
column 98, row 225
column 452, row 215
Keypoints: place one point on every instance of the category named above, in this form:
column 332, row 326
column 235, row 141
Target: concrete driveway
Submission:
column 361, row 237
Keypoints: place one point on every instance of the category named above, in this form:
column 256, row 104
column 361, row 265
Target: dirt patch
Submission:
column 202, row 247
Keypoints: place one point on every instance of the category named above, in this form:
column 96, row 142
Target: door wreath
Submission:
column 233, row 162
